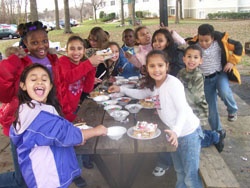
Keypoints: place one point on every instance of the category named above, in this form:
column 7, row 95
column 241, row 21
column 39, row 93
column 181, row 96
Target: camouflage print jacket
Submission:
column 194, row 89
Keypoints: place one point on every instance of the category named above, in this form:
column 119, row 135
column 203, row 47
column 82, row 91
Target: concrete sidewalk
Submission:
column 236, row 154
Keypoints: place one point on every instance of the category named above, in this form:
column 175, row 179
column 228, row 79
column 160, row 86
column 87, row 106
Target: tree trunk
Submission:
column 181, row 13
column 3, row 12
column 81, row 9
column 67, row 28
column 122, row 13
column 95, row 14
column 177, row 12
column 33, row 11
column 57, row 15
column 131, row 11
column 25, row 11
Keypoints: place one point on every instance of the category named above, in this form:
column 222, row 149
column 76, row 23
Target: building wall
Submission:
column 244, row 6
column 198, row 9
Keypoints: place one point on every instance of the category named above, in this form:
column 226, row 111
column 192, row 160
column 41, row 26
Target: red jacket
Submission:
column 10, row 72
column 74, row 79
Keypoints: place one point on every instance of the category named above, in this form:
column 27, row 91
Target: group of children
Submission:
column 184, row 84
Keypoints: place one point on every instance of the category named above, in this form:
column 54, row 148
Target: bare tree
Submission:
column 177, row 21
column 9, row 11
column 25, row 11
column 20, row 18
column 33, row 11
column 181, row 13
column 57, row 14
column 122, row 13
column 96, row 4
column 3, row 15
column 67, row 28
column 80, row 9
column 131, row 10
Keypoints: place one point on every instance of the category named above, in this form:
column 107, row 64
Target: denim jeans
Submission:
column 186, row 160
column 83, row 158
column 13, row 179
column 218, row 84
column 210, row 138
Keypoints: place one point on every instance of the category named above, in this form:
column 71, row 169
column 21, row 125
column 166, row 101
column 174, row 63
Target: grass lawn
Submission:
column 237, row 29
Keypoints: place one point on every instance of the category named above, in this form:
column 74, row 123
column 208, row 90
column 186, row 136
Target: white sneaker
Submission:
column 159, row 171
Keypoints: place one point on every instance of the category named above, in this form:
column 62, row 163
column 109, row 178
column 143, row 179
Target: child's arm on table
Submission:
column 99, row 130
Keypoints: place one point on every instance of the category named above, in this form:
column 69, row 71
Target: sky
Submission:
column 50, row 5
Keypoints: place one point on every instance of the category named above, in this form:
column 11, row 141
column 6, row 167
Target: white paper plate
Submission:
column 130, row 134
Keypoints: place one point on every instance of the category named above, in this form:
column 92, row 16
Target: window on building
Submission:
column 112, row 3
column 172, row 11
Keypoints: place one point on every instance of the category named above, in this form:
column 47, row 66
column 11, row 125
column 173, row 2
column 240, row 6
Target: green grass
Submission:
column 237, row 29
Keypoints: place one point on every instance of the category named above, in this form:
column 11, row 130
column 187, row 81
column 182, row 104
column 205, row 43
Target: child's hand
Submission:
column 15, row 50
column 101, row 130
column 97, row 81
column 127, row 55
column 172, row 137
column 162, row 26
column 21, row 53
column 228, row 67
column 95, row 60
column 114, row 89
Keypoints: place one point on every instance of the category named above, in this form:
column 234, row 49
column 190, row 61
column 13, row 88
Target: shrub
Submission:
column 102, row 14
column 229, row 15
column 139, row 14
column 108, row 17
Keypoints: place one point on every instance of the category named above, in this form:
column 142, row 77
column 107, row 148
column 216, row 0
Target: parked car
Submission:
column 50, row 26
column 61, row 23
column 72, row 22
column 8, row 33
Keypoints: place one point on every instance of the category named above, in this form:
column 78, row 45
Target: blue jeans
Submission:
column 186, row 160
column 83, row 158
column 13, row 179
column 210, row 138
column 218, row 84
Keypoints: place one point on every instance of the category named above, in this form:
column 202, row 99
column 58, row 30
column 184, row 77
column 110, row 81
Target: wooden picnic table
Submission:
column 94, row 114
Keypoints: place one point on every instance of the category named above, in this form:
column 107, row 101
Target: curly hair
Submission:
column 33, row 26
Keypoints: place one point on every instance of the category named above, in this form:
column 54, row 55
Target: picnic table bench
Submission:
column 214, row 171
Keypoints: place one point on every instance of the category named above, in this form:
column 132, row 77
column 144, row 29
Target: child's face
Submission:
column 129, row 38
column 192, row 59
column 93, row 42
column 144, row 37
column 75, row 51
column 157, row 69
column 37, row 43
column 205, row 41
column 160, row 42
column 115, row 51
column 37, row 84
